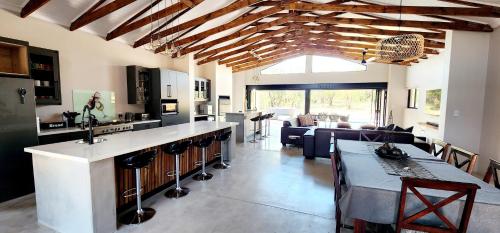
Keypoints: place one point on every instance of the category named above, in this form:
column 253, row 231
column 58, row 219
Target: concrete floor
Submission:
column 267, row 189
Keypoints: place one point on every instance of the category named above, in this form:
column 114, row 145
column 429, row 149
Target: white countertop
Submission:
column 77, row 129
column 123, row 143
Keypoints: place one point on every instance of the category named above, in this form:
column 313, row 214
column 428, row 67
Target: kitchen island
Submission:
column 245, row 126
column 79, row 186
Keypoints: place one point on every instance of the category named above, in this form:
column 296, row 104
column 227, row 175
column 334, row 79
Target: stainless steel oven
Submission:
column 169, row 107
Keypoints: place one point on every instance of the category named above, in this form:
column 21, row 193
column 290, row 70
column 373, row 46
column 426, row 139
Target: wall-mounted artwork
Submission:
column 433, row 102
column 105, row 108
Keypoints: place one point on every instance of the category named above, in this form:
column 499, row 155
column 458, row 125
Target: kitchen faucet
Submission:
column 88, row 108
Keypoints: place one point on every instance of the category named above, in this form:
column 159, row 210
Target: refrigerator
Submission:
column 169, row 85
column 17, row 130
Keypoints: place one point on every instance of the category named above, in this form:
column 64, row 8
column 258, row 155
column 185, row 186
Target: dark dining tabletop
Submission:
column 372, row 194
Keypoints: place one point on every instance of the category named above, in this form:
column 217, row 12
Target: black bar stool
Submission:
column 137, row 160
column 266, row 118
column 177, row 148
column 223, row 139
column 203, row 144
column 255, row 119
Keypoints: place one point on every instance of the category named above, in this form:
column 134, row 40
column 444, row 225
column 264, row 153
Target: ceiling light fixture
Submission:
column 400, row 48
column 363, row 61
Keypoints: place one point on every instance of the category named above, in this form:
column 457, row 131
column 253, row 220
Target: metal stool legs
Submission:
column 254, row 132
column 178, row 191
column 222, row 165
column 141, row 214
column 261, row 130
column 203, row 175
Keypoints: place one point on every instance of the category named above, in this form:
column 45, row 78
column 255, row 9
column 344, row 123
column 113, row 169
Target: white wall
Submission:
column 396, row 93
column 427, row 75
column 86, row 61
column 490, row 137
column 466, row 88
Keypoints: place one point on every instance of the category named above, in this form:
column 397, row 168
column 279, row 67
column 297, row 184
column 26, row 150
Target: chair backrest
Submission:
column 461, row 157
column 493, row 172
column 460, row 189
column 440, row 148
column 335, row 159
column 372, row 135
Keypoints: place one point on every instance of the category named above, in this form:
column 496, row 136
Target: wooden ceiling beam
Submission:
column 91, row 16
column 383, row 32
column 131, row 25
column 243, row 42
column 31, row 6
column 263, row 57
column 189, row 3
column 396, row 23
column 224, row 27
column 247, row 55
column 262, row 52
column 235, row 35
column 197, row 21
column 493, row 12
column 271, row 41
column 269, row 60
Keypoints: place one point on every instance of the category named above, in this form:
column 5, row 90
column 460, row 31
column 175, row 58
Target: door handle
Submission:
column 169, row 90
column 22, row 93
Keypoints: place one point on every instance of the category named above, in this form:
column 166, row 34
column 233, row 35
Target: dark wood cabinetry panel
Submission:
column 44, row 69
column 14, row 58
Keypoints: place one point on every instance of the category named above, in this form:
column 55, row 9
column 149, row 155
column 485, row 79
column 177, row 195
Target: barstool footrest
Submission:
column 127, row 193
column 198, row 163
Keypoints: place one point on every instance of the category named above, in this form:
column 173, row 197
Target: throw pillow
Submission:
column 306, row 120
column 399, row 129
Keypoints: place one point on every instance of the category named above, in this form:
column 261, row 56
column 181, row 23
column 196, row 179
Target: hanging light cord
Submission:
column 400, row 13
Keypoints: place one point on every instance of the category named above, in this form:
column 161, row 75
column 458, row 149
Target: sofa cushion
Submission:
column 306, row 120
column 399, row 129
column 343, row 125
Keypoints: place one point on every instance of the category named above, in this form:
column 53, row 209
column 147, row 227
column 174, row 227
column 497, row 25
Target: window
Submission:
column 282, row 102
column 333, row 64
column 412, row 98
column 295, row 65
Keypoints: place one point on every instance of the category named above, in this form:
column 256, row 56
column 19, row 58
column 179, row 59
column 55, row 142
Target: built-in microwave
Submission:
column 169, row 107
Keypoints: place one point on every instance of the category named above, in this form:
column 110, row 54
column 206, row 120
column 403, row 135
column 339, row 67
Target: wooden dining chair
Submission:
column 336, row 182
column 371, row 136
column 440, row 149
column 492, row 171
column 466, row 158
column 411, row 222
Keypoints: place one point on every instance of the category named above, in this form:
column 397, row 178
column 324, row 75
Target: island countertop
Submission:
column 123, row 143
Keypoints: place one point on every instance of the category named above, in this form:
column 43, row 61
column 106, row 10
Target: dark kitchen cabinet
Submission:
column 143, row 126
column 44, row 69
column 62, row 137
column 138, row 84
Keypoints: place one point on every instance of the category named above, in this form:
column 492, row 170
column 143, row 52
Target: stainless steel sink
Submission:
column 96, row 140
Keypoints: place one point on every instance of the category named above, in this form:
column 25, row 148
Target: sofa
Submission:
column 317, row 141
column 291, row 129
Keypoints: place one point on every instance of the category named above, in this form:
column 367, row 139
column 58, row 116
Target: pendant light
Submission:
column 400, row 48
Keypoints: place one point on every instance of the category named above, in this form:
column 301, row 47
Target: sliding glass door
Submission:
column 286, row 103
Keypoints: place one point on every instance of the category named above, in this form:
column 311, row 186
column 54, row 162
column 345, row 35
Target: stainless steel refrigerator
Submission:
column 17, row 131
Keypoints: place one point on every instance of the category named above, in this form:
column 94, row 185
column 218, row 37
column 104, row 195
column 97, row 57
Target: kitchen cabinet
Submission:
column 144, row 126
column 202, row 89
column 44, row 69
column 169, row 83
column 14, row 58
column 138, row 84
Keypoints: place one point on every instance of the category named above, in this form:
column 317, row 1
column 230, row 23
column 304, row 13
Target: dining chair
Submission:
column 492, row 171
column 336, row 182
column 412, row 222
column 371, row 136
column 467, row 158
column 442, row 152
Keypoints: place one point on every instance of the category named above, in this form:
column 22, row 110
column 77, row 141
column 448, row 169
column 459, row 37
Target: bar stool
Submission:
column 267, row 124
column 137, row 160
column 255, row 119
column 223, row 139
column 177, row 148
column 203, row 144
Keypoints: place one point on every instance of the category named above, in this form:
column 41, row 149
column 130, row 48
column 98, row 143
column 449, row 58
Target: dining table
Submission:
column 373, row 187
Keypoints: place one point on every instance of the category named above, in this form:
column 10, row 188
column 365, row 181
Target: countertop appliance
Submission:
column 17, row 131
column 169, row 98
column 224, row 105
column 112, row 127
column 142, row 116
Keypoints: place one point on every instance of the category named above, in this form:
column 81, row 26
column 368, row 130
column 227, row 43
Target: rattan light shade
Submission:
column 400, row 48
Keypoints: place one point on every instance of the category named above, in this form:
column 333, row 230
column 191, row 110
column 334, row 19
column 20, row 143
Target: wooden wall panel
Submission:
column 155, row 176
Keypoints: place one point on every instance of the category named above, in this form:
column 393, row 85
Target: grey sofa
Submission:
column 317, row 141
column 288, row 129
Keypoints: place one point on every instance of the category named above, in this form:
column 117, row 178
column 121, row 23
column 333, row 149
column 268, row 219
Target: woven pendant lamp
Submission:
column 400, row 48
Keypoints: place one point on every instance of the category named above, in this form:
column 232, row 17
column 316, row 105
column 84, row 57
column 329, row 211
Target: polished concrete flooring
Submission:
column 268, row 189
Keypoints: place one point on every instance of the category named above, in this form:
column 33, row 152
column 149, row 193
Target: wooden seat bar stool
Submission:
column 493, row 169
column 442, row 152
column 203, row 144
column 137, row 160
column 224, row 140
column 467, row 158
column 177, row 149
column 411, row 222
